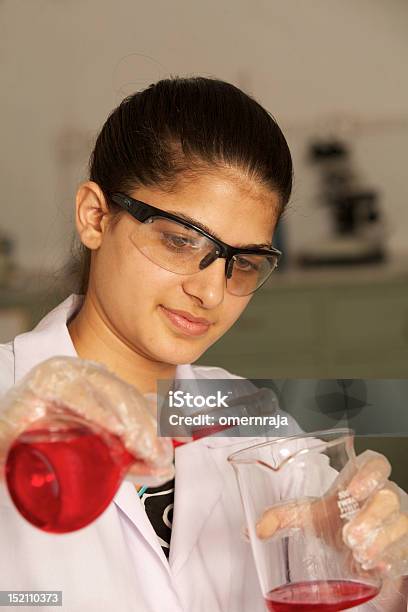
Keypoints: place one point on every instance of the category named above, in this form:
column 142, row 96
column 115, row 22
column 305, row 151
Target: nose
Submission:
column 207, row 285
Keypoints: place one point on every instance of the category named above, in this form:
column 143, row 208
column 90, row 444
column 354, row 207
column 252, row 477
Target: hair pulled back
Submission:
column 179, row 127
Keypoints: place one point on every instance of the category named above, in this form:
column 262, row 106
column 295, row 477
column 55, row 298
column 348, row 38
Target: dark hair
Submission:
column 179, row 127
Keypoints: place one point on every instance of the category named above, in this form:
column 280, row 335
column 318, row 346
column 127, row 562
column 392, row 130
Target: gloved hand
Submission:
column 369, row 516
column 69, row 385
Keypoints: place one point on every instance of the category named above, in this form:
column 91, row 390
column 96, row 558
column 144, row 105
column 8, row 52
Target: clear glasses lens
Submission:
column 177, row 248
column 171, row 245
column 250, row 272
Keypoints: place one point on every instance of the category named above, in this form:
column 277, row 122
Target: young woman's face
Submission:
column 135, row 295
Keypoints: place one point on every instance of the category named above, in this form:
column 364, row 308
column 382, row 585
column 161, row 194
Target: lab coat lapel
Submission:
column 111, row 538
column 191, row 506
column 198, row 488
column 127, row 500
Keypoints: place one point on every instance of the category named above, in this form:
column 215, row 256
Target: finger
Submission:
column 6, row 436
column 17, row 411
column 287, row 516
column 373, row 471
column 393, row 562
column 140, row 472
column 382, row 538
column 153, row 451
column 378, row 510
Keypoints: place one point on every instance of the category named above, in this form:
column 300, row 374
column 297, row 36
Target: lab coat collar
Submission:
column 198, row 487
column 50, row 338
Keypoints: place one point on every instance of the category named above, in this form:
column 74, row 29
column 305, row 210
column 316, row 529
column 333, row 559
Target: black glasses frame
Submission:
column 143, row 212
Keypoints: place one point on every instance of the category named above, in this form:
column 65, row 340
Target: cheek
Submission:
column 232, row 310
column 126, row 278
column 143, row 286
column 145, row 282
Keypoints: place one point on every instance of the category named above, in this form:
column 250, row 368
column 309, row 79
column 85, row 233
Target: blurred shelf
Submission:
column 396, row 269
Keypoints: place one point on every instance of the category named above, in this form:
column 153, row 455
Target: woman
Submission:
column 187, row 182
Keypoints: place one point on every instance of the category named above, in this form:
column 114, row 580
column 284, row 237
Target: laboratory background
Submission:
column 333, row 74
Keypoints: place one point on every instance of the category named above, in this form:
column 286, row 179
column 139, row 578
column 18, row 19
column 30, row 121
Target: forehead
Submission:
column 229, row 207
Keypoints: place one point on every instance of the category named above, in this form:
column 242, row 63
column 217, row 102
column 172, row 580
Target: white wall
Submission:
column 66, row 63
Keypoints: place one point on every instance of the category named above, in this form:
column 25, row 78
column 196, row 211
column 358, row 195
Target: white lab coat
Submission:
column 117, row 563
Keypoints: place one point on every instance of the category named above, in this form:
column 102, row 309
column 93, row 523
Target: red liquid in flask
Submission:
column 319, row 596
column 202, row 433
column 62, row 480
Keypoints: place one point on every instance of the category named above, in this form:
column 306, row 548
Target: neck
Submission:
column 94, row 339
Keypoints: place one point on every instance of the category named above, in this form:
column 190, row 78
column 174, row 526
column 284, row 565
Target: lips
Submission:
column 189, row 316
column 186, row 322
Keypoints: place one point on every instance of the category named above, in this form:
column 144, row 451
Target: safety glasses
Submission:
column 184, row 248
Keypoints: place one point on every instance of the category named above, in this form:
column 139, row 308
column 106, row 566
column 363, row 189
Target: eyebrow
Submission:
column 205, row 228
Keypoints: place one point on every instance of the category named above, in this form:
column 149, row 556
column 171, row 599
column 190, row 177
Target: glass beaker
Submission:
column 305, row 565
column 63, row 471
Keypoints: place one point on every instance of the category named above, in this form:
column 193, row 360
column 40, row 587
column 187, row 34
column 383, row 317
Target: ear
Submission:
column 92, row 214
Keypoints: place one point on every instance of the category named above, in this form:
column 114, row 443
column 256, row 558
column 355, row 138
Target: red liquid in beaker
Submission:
column 61, row 481
column 319, row 596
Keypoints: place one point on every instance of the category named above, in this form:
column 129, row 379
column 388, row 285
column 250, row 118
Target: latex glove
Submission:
column 64, row 385
column 377, row 533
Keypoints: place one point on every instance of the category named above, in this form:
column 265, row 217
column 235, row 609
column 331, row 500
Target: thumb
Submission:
column 288, row 516
column 360, row 477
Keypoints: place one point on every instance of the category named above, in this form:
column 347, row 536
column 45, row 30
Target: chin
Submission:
column 178, row 355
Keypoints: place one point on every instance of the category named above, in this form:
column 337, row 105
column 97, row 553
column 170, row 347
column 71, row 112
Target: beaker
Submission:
column 304, row 565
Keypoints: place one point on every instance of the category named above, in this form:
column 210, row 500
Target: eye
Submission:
column 245, row 265
column 178, row 241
